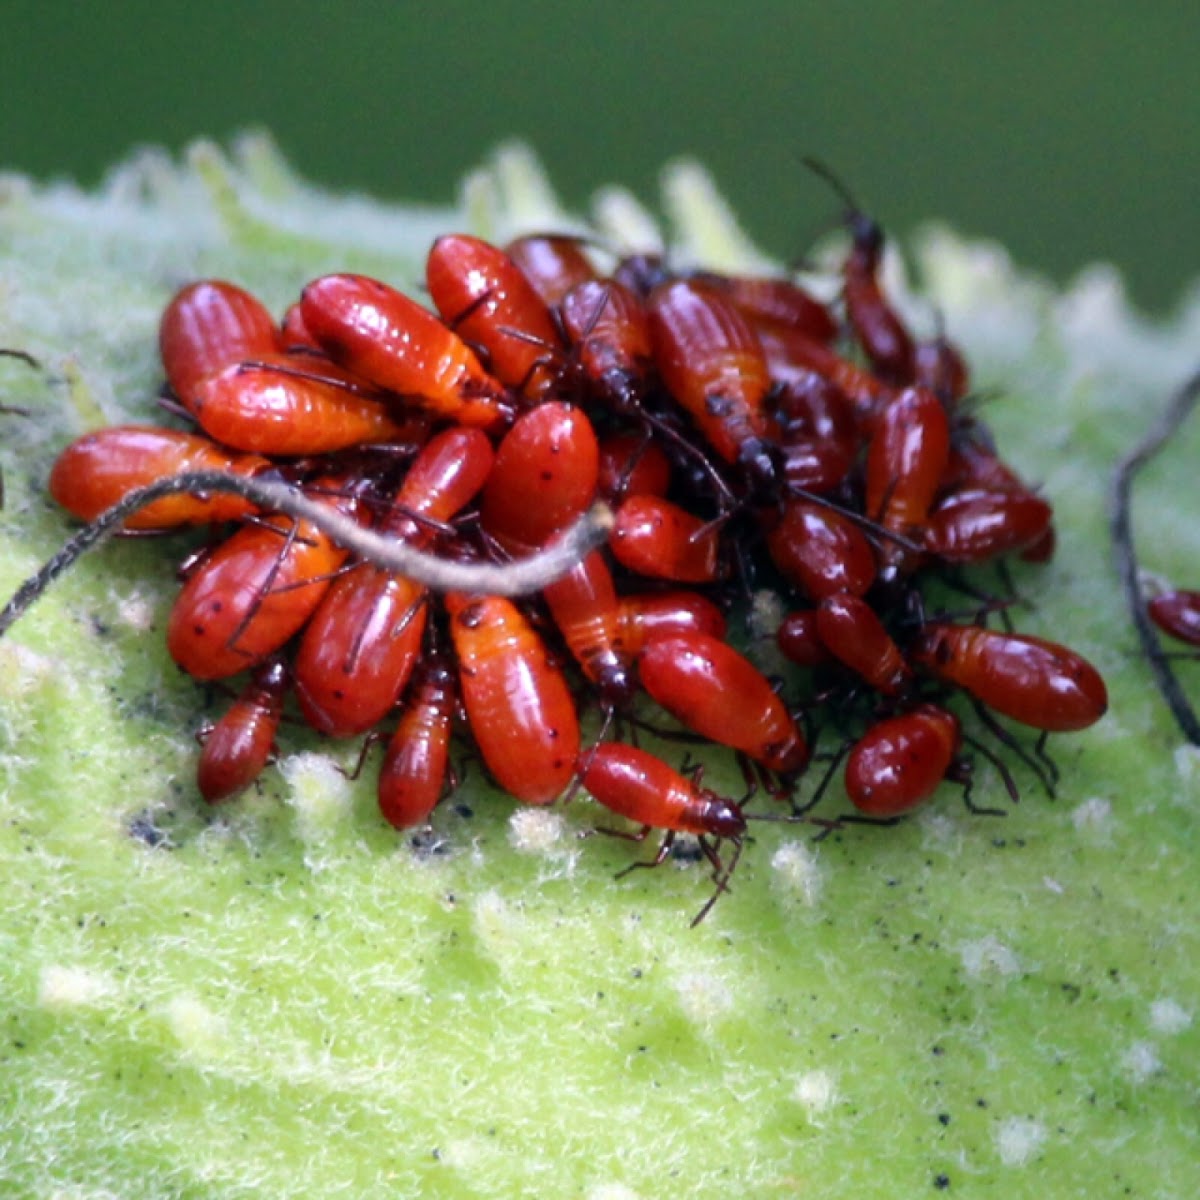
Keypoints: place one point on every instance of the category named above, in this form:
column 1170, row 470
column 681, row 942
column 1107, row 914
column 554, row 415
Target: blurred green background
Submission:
column 1068, row 131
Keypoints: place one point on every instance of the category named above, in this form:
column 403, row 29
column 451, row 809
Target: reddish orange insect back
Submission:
column 364, row 639
column 552, row 263
column 545, row 475
column 518, row 704
column 209, row 325
column 1036, row 682
column 714, row 691
column 640, row 787
column 413, row 774
column 661, row 540
column 100, row 468
column 252, row 594
column 237, row 747
column 712, row 363
column 1177, row 613
column 289, row 405
column 899, row 762
column 821, row 551
column 383, row 336
column 486, row 299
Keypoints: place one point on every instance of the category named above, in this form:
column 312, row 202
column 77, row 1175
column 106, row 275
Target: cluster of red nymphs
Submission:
column 746, row 435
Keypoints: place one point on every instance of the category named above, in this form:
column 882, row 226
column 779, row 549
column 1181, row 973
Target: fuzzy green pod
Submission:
column 283, row 997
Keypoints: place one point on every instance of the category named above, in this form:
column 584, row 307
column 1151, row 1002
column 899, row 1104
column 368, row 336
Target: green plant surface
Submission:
column 283, row 997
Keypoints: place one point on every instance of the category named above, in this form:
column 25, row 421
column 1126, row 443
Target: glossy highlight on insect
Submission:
column 1177, row 613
